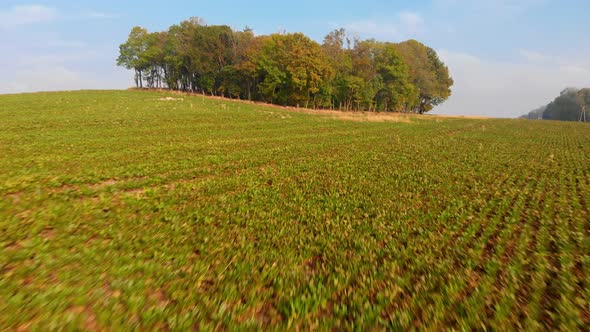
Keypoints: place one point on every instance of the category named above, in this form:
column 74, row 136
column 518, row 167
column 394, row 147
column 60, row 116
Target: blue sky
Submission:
column 507, row 56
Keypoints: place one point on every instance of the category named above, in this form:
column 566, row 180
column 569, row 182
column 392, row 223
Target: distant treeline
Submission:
column 569, row 106
column 288, row 69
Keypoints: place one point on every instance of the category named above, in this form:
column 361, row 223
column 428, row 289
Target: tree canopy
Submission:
column 288, row 68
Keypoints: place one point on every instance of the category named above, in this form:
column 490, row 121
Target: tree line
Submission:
column 571, row 105
column 289, row 69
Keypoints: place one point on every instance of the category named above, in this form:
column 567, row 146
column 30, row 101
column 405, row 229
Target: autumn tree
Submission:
column 288, row 69
column 247, row 65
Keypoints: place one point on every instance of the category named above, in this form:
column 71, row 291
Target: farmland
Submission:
column 120, row 210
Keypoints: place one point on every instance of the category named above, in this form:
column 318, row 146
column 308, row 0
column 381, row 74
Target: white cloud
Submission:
column 41, row 58
column 566, row 64
column 98, row 14
column 497, row 6
column 58, row 78
column 13, row 87
column 54, row 59
column 27, row 14
column 68, row 69
column 44, row 78
column 504, row 89
column 576, row 69
column 35, row 14
column 371, row 28
column 59, row 43
column 536, row 57
column 411, row 22
column 404, row 25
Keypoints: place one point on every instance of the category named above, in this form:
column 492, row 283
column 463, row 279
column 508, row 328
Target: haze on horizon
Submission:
column 507, row 57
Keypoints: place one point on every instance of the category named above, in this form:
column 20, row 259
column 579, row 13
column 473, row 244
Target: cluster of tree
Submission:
column 288, row 69
column 571, row 105
column 536, row 114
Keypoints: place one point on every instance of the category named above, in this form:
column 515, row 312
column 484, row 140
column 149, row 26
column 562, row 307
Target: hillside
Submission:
column 134, row 209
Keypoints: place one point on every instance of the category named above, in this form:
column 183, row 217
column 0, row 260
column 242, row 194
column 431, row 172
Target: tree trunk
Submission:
column 136, row 79
column 249, row 88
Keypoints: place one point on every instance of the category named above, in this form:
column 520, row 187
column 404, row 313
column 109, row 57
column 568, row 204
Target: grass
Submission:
column 122, row 211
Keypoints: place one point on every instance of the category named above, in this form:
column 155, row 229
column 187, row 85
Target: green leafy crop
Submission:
column 125, row 210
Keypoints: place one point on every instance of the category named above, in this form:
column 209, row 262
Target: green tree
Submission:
column 427, row 73
column 380, row 78
column 236, row 79
column 154, row 59
column 173, row 60
column 363, row 95
column 131, row 53
column 343, row 88
column 293, row 69
column 184, row 55
column 396, row 93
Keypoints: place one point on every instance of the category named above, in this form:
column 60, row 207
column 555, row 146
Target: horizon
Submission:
column 505, row 57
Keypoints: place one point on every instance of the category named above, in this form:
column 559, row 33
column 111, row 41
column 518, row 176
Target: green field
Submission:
column 119, row 210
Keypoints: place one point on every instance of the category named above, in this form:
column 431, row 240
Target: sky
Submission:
column 507, row 57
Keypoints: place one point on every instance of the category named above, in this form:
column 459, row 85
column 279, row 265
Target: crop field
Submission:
column 127, row 210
